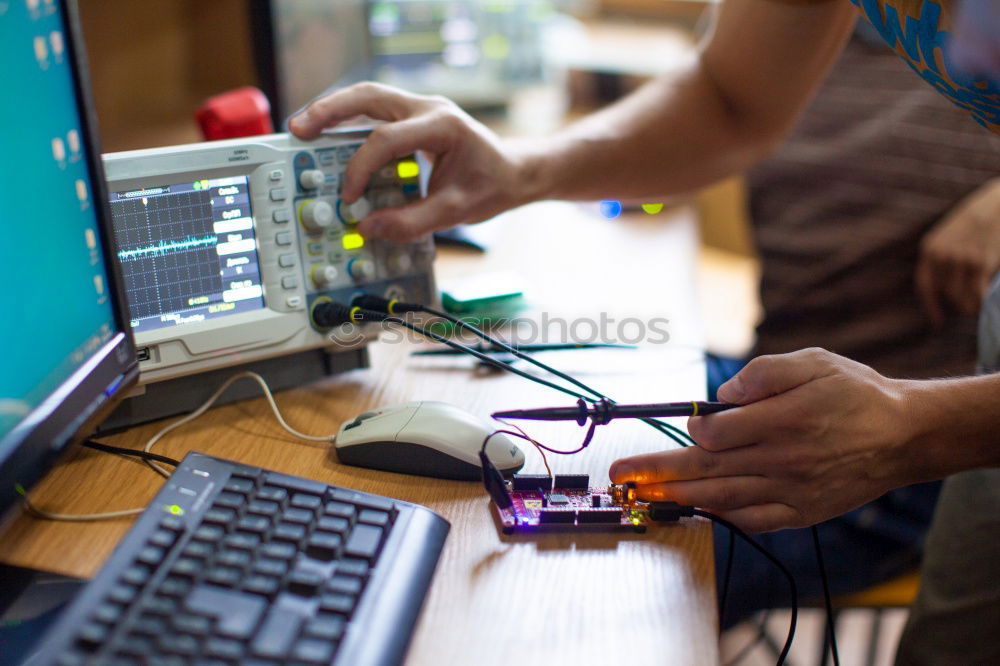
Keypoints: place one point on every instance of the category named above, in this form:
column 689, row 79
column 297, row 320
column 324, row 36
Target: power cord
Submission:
column 831, row 629
column 793, row 589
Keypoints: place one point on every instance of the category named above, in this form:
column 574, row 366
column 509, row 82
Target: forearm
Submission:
column 710, row 117
column 953, row 425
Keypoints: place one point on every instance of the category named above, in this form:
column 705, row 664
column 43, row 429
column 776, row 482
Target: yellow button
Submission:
column 353, row 241
column 407, row 169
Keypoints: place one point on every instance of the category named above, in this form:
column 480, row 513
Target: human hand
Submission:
column 960, row 255
column 475, row 176
column 818, row 435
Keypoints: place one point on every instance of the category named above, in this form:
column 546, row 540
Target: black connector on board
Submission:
column 553, row 516
column 572, row 481
column 526, row 482
column 668, row 512
column 494, row 483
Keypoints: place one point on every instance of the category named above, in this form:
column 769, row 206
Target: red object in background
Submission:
column 230, row 115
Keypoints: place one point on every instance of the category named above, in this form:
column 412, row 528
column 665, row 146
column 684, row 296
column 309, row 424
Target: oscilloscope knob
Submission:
column 323, row 275
column 360, row 270
column 316, row 216
column 360, row 209
column 310, row 179
column 399, row 262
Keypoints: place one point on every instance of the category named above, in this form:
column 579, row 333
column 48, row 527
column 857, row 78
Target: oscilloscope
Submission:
column 225, row 247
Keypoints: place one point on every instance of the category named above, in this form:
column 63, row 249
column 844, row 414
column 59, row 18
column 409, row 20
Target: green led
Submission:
column 175, row 509
column 19, row 489
column 652, row 209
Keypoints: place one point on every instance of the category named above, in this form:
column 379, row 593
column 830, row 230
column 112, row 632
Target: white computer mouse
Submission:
column 426, row 438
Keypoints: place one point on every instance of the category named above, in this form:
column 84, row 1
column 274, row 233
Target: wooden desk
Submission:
column 545, row 599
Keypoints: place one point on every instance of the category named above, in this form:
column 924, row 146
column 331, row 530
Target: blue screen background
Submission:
column 54, row 304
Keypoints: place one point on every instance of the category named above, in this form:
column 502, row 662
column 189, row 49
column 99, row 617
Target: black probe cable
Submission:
column 665, row 428
column 393, row 307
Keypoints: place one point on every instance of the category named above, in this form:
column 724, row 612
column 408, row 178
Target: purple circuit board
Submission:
column 568, row 509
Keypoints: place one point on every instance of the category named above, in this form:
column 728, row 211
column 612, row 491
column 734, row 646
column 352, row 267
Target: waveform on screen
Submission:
column 166, row 247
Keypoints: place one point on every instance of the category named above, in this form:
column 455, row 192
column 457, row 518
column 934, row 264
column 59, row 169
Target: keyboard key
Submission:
column 122, row 593
column 226, row 576
column 172, row 523
column 187, row 567
column 333, row 524
column 258, row 524
column 234, row 558
column 238, row 485
column 289, row 532
column 268, row 567
column 150, row 625
column 296, row 484
column 160, row 605
column 163, row 538
column 364, row 541
column 236, row 613
column 136, row 575
column 323, row 546
column 276, row 634
column 209, row 533
column 313, row 651
column 340, row 510
column 230, row 500
column 305, row 583
column 263, row 507
column 151, row 555
column 173, row 586
column 224, row 648
column 180, row 644
column 243, row 540
column 362, row 500
column 219, row 515
column 273, row 494
column 303, row 501
column 135, row 646
column 301, row 516
column 327, row 626
column 260, row 584
column 337, row 603
column 198, row 550
column 196, row 625
column 278, row 550
column 92, row 634
column 348, row 566
column 108, row 613
column 344, row 585
column 373, row 517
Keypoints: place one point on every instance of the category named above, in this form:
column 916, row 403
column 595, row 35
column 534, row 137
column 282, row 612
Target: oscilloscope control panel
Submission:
column 225, row 247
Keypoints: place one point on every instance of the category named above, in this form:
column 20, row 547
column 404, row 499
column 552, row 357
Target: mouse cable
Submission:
column 831, row 629
column 793, row 589
column 211, row 401
column 382, row 306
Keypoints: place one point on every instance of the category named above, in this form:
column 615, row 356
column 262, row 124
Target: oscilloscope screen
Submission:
column 187, row 251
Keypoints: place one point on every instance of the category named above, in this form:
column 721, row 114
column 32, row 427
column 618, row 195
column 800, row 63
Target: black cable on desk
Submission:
column 145, row 455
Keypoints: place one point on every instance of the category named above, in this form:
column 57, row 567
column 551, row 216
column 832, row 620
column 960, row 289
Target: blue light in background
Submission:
column 611, row 209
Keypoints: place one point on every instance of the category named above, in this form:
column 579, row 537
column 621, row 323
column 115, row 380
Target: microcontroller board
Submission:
column 567, row 503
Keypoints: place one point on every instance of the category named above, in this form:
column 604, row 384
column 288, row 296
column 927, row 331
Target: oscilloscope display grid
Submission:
column 169, row 251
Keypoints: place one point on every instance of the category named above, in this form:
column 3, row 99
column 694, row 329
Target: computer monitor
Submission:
column 472, row 51
column 65, row 341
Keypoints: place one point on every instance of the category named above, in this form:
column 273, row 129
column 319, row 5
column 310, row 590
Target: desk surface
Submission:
column 543, row 599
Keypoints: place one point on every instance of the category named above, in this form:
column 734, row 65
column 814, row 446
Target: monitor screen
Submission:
column 64, row 345
column 187, row 251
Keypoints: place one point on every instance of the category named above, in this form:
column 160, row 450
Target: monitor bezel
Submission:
column 73, row 410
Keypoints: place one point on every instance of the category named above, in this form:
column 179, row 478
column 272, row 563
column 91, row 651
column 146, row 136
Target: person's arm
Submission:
column 817, row 436
column 960, row 255
column 711, row 117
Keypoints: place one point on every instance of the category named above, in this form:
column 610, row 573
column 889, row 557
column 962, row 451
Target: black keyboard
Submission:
column 233, row 564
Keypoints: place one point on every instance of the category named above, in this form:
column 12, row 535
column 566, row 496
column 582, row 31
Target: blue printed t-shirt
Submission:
column 920, row 32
